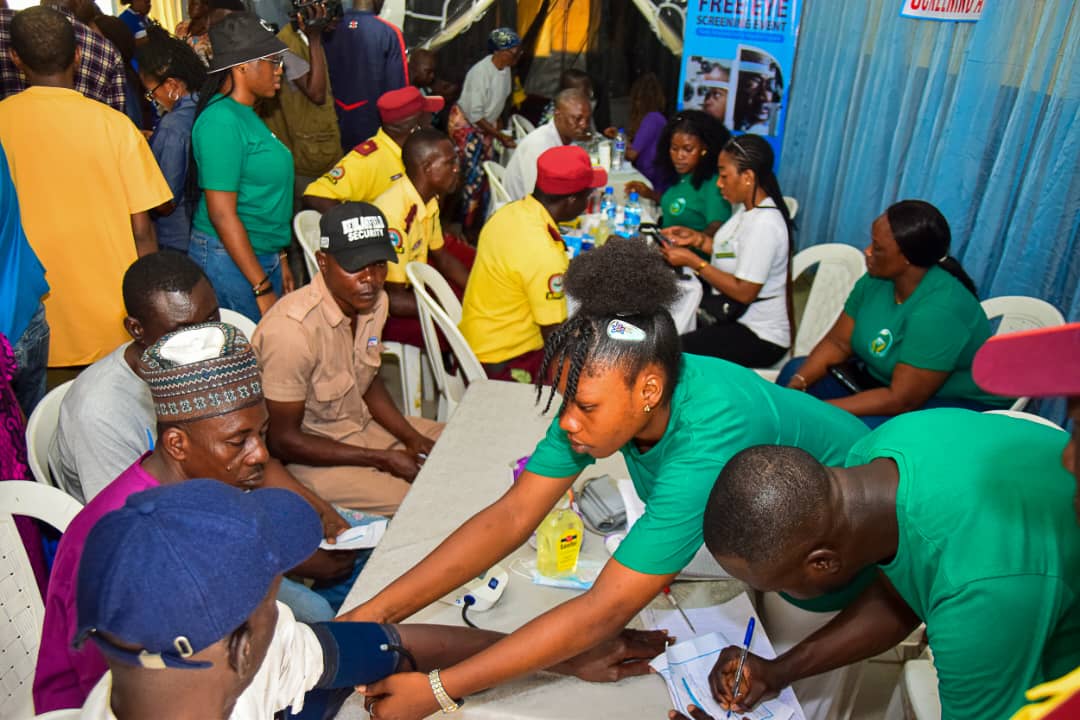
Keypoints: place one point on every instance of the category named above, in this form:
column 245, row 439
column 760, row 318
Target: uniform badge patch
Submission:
column 336, row 174
column 555, row 287
column 881, row 342
column 398, row 241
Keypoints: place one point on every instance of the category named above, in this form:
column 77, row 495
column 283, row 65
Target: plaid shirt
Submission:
column 100, row 74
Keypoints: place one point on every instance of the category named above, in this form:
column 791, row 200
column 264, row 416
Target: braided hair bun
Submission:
column 624, row 290
column 623, row 277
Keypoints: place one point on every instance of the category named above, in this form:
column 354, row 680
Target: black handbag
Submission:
column 723, row 309
column 854, row 376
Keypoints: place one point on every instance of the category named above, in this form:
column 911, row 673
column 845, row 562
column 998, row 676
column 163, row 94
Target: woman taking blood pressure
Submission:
column 627, row 388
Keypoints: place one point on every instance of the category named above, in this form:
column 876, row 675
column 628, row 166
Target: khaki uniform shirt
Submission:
column 308, row 352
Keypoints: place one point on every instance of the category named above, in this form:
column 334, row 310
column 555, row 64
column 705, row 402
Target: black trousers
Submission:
column 734, row 342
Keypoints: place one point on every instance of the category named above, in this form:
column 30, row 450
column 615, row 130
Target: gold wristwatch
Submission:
column 447, row 703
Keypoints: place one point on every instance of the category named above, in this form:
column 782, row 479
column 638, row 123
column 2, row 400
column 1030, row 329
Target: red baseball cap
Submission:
column 1032, row 363
column 565, row 170
column 396, row 105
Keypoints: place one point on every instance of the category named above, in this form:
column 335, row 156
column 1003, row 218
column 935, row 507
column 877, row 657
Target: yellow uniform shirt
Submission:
column 1051, row 696
column 516, row 283
column 414, row 226
column 364, row 173
column 81, row 170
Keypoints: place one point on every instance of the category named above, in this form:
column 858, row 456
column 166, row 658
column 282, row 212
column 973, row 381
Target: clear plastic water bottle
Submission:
column 607, row 203
column 632, row 215
column 620, row 150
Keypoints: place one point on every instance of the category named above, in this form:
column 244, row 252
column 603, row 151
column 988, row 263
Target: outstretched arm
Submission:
column 561, row 633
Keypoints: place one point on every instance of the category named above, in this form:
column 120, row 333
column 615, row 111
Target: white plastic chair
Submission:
column 839, row 266
column 499, row 196
column 21, row 603
column 1026, row 416
column 40, row 429
column 306, row 227
column 443, row 310
column 1019, row 312
column 239, row 321
column 522, row 126
column 792, row 206
column 916, row 694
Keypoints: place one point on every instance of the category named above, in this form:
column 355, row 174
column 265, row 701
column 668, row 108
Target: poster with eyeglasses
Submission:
column 737, row 62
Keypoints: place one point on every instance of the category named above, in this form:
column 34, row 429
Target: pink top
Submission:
column 64, row 675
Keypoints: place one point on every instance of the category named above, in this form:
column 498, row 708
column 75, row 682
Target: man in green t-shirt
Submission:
column 966, row 517
column 1041, row 363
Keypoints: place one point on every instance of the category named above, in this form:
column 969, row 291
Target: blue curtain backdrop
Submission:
column 981, row 119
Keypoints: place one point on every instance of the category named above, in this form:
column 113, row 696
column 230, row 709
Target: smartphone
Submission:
column 651, row 231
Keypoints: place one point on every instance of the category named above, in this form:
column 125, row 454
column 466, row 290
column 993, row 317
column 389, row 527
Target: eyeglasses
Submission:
column 278, row 61
column 149, row 95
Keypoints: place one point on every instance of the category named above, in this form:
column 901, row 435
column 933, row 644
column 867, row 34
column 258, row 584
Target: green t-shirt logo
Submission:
column 881, row 343
column 677, row 206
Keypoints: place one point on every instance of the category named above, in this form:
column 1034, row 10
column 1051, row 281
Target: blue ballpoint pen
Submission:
column 742, row 662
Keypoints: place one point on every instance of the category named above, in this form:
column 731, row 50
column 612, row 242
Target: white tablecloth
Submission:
column 496, row 423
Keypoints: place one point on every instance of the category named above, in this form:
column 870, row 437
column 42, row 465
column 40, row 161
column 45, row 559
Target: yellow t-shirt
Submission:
column 516, row 283
column 81, row 169
column 364, row 173
column 414, row 226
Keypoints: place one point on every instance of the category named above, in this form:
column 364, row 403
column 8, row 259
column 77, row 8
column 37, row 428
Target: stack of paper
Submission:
column 686, row 666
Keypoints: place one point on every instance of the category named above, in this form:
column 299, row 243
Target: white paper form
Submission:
column 358, row 537
column 686, row 665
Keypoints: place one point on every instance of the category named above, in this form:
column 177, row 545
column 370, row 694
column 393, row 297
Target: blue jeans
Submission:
column 320, row 604
column 828, row 388
column 232, row 288
column 32, row 359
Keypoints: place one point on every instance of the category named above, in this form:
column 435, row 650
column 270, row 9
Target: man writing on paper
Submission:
column 967, row 518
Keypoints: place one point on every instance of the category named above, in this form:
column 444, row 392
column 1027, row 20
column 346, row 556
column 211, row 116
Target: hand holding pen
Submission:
column 761, row 679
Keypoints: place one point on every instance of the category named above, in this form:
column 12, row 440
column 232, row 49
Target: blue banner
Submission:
column 737, row 61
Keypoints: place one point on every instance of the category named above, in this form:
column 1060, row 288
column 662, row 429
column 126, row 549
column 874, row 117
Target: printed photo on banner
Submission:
column 737, row 62
column 753, row 78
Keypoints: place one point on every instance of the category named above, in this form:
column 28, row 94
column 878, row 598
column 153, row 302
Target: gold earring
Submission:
column 648, row 409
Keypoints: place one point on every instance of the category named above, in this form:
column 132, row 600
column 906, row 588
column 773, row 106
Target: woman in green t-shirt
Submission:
column 909, row 330
column 688, row 148
column 626, row 388
column 241, row 225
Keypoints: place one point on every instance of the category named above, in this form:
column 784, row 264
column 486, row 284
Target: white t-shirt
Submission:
column 520, row 176
column 293, row 664
column 753, row 246
column 484, row 92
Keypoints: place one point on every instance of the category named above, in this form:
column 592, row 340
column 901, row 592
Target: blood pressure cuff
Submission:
column 354, row 653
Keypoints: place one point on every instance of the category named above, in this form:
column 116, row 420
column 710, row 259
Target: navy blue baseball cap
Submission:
column 180, row 567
